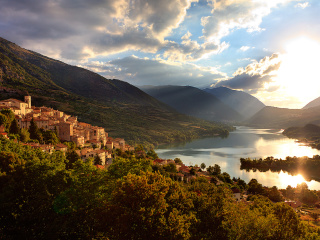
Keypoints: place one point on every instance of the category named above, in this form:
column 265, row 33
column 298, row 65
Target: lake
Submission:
column 244, row 142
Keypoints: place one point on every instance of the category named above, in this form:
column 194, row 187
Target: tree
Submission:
column 225, row 177
column 274, row 194
column 8, row 118
column 289, row 192
column 152, row 154
column 178, row 161
column 97, row 160
column 255, row 187
column 34, row 131
column 171, row 167
column 210, row 169
column 216, row 169
column 202, row 166
column 193, row 171
column 24, row 135
column 121, row 167
column 147, row 206
column 72, row 157
column 50, row 137
column 14, row 127
column 3, row 120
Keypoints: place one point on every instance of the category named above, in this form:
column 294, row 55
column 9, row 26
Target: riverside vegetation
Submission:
column 53, row 196
column 308, row 167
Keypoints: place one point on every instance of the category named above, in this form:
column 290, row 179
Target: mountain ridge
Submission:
column 242, row 102
column 275, row 117
column 124, row 110
column 194, row 102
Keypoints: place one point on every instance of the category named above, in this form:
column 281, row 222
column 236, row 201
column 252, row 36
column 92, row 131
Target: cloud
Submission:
column 302, row 5
column 256, row 76
column 144, row 71
column 244, row 48
column 78, row 29
column 190, row 50
column 229, row 15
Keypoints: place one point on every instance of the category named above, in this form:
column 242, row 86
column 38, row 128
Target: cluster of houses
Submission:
column 183, row 171
column 89, row 138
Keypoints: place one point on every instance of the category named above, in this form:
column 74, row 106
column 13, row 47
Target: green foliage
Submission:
column 274, row 194
column 255, row 187
column 225, row 177
column 178, row 161
column 147, row 206
column 171, row 167
column 50, row 137
column 6, row 118
column 152, row 154
column 41, row 198
column 34, row 131
column 202, row 166
column 289, row 192
column 71, row 158
column 14, row 127
column 121, row 167
column 24, row 135
column 214, row 170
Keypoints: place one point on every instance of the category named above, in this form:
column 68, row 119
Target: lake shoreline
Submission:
column 241, row 143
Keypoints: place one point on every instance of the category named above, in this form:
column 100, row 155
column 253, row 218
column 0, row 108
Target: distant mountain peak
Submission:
column 193, row 101
column 244, row 103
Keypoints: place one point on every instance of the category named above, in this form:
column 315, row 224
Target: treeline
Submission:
column 45, row 196
column 308, row 167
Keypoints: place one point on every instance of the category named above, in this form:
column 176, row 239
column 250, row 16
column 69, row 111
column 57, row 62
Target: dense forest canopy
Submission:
column 45, row 196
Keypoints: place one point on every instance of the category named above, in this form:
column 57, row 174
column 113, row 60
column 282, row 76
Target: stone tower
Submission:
column 27, row 99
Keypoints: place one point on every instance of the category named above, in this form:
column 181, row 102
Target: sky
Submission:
column 268, row 48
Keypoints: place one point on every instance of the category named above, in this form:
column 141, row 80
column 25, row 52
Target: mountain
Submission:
column 244, row 103
column 124, row 110
column 194, row 102
column 308, row 131
column 313, row 103
column 273, row 117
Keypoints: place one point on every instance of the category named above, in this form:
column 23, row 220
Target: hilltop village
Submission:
column 88, row 138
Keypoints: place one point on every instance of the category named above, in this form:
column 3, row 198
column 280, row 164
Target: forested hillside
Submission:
column 124, row 110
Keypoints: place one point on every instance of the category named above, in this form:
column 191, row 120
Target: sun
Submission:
column 298, row 74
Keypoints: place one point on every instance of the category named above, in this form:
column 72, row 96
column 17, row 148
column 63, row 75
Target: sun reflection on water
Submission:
column 287, row 179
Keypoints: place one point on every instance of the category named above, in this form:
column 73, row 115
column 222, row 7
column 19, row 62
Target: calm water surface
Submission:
column 244, row 142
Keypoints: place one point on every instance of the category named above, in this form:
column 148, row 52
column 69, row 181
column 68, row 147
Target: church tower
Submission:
column 27, row 99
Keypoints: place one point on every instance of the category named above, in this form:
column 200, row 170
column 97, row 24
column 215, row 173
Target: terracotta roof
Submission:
column 100, row 166
column 60, row 145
